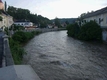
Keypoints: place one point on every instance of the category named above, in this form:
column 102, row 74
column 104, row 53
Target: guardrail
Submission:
column 7, row 56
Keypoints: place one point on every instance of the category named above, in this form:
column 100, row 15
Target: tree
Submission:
column 73, row 30
column 67, row 22
column 24, row 14
column 5, row 6
column 1, row 18
column 90, row 31
column 80, row 18
column 57, row 22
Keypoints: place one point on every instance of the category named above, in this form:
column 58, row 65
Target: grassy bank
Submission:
column 16, row 42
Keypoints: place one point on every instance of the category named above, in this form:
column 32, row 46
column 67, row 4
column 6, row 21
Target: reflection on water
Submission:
column 55, row 56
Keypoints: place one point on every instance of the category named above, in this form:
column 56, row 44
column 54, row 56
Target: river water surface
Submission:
column 55, row 56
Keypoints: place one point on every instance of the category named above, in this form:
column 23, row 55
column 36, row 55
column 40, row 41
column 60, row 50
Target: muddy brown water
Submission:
column 55, row 56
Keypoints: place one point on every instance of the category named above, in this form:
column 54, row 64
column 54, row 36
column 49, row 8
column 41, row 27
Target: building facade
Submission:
column 23, row 23
column 100, row 16
column 1, row 5
column 7, row 20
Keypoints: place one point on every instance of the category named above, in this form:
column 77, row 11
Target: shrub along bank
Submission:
column 16, row 42
column 88, row 32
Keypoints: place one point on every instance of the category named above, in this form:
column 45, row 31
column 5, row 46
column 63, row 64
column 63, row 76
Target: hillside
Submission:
column 69, row 20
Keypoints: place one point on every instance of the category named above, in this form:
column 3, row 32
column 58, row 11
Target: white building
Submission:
column 23, row 23
column 100, row 16
column 7, row 20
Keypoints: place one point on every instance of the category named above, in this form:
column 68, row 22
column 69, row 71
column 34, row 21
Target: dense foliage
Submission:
column 23, row 37
column 1, row 18
column 89, row 31
column 17, row 51
column 16, row 27
column 73, row 30
column 25, row 14
column 16, row 41
column 57, row 22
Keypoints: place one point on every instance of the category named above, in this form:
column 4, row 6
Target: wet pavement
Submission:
column 55, row 56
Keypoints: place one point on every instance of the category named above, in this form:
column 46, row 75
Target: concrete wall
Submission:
column 9, row 71
column 7, row 55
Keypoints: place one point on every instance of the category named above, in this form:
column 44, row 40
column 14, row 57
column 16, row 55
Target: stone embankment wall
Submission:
column 46, row 29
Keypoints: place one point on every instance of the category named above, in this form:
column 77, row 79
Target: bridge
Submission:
column 10, row 71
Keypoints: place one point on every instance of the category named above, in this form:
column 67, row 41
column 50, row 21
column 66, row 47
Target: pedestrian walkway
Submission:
column 18, row 72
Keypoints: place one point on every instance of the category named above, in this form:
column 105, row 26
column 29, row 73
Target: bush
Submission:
column 16, row 27
column 15, row 44
column 23, row 37
column 17, row 51
column 73, row 30
column 90, row 31
column 20, row 37
column 1, row 19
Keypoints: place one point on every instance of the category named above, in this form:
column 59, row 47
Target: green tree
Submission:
column 73, row 30
column 90, row 31
column 67, row 22
column 1, row 18
column 57, row 22
column 16, row 27
column 24, row 14
column 5, row 6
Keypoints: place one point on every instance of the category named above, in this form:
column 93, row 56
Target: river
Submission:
column 55, row 56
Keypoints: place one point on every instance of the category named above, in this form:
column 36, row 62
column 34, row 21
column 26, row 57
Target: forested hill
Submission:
column 69, row 20
column 25, row 14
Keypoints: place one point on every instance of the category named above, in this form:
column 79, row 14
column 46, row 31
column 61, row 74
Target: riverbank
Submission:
column 16, row 42
column 20, row 38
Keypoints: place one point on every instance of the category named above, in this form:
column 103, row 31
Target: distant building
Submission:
column 1, row 5
column 64, row 24
column 7, row 20
column 50, row 26
column 23, row 23
column 100, row 16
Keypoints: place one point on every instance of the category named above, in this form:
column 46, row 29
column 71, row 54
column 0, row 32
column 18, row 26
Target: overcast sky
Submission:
column 58, row 8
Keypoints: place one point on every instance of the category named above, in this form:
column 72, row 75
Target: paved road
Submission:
column 1, row 48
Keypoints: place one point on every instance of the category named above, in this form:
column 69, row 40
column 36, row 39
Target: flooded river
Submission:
column 55, row 56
